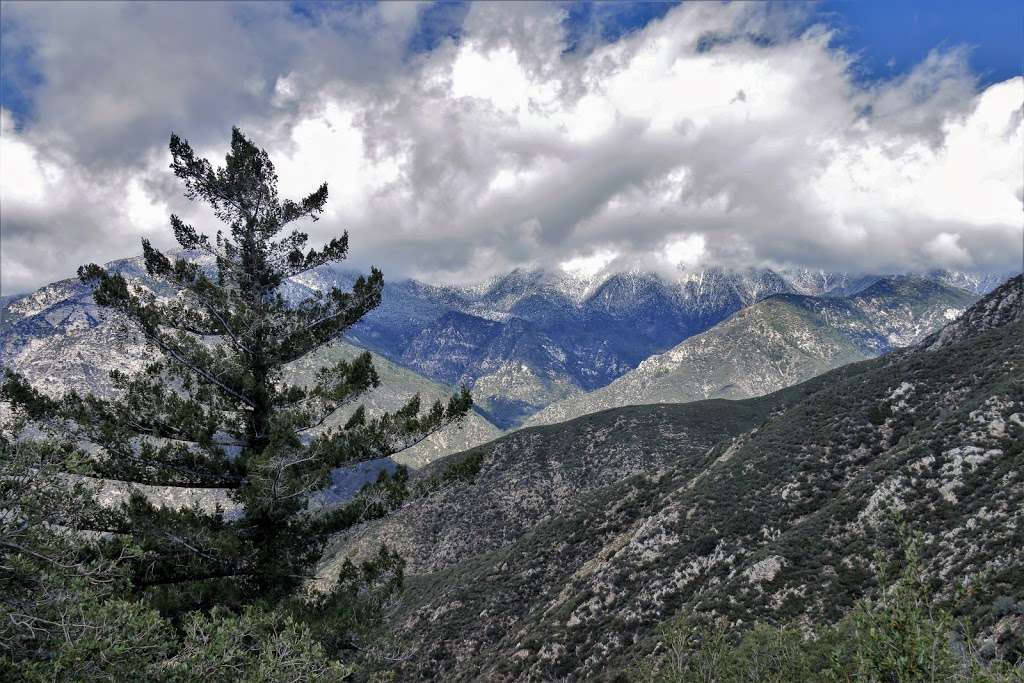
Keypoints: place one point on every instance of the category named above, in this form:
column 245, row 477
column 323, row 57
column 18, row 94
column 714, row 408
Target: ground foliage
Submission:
column 895, row 634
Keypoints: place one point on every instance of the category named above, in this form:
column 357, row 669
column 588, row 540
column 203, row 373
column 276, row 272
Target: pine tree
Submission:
column 217, row 410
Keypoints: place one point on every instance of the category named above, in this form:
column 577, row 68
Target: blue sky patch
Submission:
column 608, row 21
column 436, row 23
column 19, row 76
column 891, row 37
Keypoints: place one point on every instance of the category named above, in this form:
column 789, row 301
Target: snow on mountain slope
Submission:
column 519, row 341
column 61, row 341
column 978, row 283
column 908, row 308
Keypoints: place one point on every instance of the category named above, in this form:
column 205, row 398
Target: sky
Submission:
column 462, row 140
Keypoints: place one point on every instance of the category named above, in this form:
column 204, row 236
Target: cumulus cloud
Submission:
column 720, row 134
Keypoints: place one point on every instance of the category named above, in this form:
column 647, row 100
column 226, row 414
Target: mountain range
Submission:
column 529, row 339
column 777, row 342
column 575, row 541
column 781, row 431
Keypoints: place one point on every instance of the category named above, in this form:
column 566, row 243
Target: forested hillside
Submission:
column 541, row 570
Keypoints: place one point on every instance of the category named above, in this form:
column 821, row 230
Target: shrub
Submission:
column 898, row 635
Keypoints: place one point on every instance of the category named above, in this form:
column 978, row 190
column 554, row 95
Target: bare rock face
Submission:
column 577, row 540
column 1004, row 306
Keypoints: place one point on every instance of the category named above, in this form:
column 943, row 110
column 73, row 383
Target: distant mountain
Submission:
column 576, row 541
column 817, row 282
column 527, row 339
column 521, row 341
column 775, row 343
column 979, row 283
column 62, row 341
column 906, row 309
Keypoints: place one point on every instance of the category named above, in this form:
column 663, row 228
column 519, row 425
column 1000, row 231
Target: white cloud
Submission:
column 589, row 265
column 945, row 248
column 499, row 150
column 494, row 76
column 685, row 252
column 144, row 213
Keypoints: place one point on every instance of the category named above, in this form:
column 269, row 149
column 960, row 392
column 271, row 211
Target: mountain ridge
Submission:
column 774, row 522
column 778, row 341
column 525, row 339
column 595, row 329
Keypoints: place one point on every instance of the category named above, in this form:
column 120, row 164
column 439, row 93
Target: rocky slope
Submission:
column 61, row 341
column 575, row 541
column 535, row 475
column 775, row 343
column 1004, row 307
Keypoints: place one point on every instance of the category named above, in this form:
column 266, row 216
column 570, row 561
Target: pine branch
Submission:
column 346, row 312
column 389, row 433
column 198, row 371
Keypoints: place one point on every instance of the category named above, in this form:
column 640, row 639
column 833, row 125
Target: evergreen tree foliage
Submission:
column 67, row 611
column 217, row 411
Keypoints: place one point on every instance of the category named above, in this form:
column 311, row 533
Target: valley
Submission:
column 576, row 540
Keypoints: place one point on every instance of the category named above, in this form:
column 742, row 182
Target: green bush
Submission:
column 896, row 636
column 126, row 641
column 254, row 646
